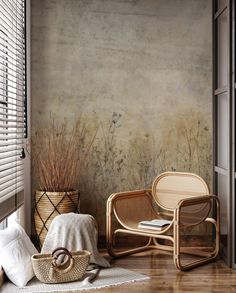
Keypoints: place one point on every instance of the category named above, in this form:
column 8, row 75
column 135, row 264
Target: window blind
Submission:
column 12, row 105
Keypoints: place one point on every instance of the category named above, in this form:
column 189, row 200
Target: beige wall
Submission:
column 138, row 69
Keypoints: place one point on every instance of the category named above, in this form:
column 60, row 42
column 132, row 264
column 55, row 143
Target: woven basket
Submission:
column 50, row 204
column 48, row 271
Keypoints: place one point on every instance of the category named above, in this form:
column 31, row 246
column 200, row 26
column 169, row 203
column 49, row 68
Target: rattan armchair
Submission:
column 184, row 198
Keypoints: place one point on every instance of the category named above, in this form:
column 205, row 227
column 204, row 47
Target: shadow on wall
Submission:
column 182, row 144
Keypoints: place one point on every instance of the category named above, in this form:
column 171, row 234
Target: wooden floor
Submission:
column 213, row 277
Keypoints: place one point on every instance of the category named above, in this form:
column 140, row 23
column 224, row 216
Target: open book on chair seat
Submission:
column 154, row 224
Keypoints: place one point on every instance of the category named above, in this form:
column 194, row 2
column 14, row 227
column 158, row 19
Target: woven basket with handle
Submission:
column 48, row 270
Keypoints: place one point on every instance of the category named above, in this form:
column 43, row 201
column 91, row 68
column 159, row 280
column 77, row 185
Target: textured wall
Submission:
column 138, row 69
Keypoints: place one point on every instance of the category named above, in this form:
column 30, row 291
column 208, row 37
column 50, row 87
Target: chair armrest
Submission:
column 195, row 201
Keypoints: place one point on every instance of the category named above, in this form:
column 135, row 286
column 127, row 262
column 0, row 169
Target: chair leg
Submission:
column 162, row 246
column 184, row 250
column 177, row 249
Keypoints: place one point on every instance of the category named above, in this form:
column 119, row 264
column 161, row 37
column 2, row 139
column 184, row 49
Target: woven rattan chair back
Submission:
column 171, row 187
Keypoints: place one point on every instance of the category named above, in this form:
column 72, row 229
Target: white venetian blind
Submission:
column 12, row 104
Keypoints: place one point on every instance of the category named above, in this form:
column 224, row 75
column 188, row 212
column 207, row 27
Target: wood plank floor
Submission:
column 213, row 277
column 158, row 265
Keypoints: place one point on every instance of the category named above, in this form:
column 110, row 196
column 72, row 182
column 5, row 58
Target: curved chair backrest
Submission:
column 170, row 187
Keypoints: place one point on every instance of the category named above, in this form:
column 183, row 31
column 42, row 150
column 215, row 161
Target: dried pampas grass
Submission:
column 60, row 153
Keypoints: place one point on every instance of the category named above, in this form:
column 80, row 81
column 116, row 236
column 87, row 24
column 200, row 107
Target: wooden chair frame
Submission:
column 174, row 227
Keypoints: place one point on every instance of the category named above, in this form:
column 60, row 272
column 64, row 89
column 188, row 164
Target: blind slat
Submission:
column 15, row 56
column 12, row 177
column 19, row 169
column 10, row 148
column 16, row 11
column 4, row 107
column 13, row 153
column 13, row 86
column 10, row 143
column 11, row 159
column 10, row 138
column 4, row 126
column 10, row 120
column 7, row 73
column 3, row 76
column 11, row 69
column 12, row 104
column 11, row 96
column 16, row 24
column 10, row 49
column 7, row 131
column 11, row 191
column 13, row 115
column 11, row 62
column 11, row 182
column 17, row 42
column 11, row 165
column 11, row 123
column 4, row 101
column 11, row 23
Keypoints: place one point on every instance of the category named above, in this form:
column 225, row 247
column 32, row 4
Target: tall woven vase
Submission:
column 50, row 204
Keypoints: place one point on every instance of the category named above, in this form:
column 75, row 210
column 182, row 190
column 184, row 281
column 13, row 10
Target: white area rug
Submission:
column 107, row 277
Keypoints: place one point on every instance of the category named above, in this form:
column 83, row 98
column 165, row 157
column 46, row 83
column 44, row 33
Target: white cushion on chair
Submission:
column 16, row 250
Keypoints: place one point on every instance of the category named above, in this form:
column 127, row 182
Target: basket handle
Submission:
column 65, row 251
column 65, row 267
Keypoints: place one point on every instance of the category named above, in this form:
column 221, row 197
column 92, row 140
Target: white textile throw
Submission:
column 74, row 232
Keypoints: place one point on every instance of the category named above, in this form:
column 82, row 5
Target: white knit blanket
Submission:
column 74, row 232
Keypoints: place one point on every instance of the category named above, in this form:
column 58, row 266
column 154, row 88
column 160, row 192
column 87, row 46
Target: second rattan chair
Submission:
column 183, row 197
